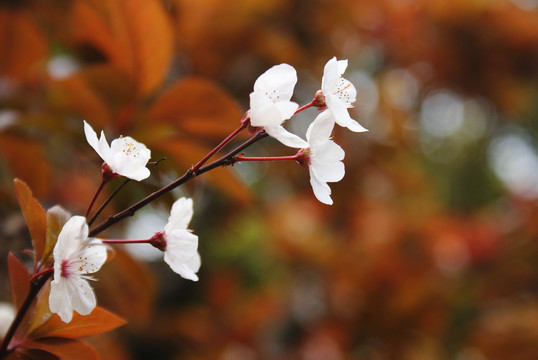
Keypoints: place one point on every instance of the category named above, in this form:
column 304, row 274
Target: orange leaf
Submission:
column 75, row 94
column 21, row 44
column 99, row 321
column 24, row 157
column 35, row 217
column 198, row 107
column 135, row 35
column 40, row 312
column 19, row 278
column 123, row 280
column 64, row 349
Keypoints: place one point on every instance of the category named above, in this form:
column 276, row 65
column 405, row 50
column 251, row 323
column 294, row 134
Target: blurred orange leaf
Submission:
column 40, row 312
column 19, row 278
column 24, row 158
column 99, row 321
column 123, row 280
column 75, row 94
column 21, row 44
column 63, row 349
column 35, row 217
column 135, row 35
column 198, row 107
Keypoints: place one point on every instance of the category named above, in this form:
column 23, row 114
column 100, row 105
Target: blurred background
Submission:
column 430, row 250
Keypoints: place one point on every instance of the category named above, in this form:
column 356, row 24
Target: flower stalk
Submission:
column 225, row 160
column 35, row 286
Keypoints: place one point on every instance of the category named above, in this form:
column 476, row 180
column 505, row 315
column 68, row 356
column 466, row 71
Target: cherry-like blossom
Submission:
column 339, row 94
column 270, row 103
column 75, row 256
column 125, row 156
column 324, row 157
column 180, row 246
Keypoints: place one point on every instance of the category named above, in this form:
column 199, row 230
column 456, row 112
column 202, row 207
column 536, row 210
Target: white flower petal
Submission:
column 70, row 239
column 330, row 151
column 329, row 171
column 91, row 137
column 346, row 92
column 322, row 191
column 104, row 150
column 184, row 270
column 277, row 83
column 341, row 115
column 320, row 129
column 285, row 137
column 180, row 215
column 180, row 252
column 330, row 76
column 93, row 256
column 264, row 112
column 181, row 245
column 82, row 296
column 341, row 67
column 60, row 300
column 286, row 109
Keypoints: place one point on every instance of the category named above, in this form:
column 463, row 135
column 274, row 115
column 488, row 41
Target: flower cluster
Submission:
column 77, row 255
column 270, row 106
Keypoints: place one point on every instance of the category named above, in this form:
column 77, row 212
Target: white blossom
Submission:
column 270, row 103
column 75, row 256
column 125, row 156
column 325, row 157
column 181, row 249
column 339, row 94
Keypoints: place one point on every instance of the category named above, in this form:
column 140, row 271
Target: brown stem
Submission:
column 243, row 126
column 227, row 159
column 35, row 287
column 99, row 189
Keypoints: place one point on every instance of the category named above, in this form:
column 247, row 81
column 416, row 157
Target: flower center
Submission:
column 129, row 148
column 273, row 96
column 341, row 86
column 67, row 269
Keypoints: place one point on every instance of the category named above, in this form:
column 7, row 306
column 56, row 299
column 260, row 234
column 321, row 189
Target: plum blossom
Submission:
column 270, row 103
column 339, row 94
column 323, row 157
column 125, row 156
column 75, row 256
column 178, row 243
